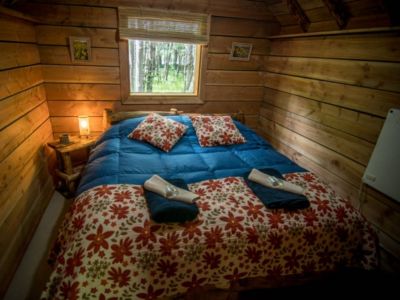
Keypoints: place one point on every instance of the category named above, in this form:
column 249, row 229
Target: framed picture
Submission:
column 80, row 48
column 240, row 51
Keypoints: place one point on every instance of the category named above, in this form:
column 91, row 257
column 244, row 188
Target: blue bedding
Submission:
column 118, row 159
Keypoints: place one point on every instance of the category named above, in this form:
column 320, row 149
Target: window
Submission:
column 163, row 67
column 161, row 54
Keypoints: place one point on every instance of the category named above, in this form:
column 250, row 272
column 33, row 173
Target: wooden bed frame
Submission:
column 110, row 117
column 256, row 283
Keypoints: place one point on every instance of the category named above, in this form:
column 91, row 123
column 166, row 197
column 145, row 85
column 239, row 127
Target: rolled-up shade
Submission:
column 163, row 25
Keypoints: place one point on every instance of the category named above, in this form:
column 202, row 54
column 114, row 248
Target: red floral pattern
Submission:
column 159, row 131
column 216, row 130
column 116, row 251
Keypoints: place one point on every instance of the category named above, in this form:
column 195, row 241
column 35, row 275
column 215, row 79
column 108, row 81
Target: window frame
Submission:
column 167, row 98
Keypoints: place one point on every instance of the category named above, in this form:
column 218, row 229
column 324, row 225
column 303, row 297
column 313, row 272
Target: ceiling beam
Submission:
column 339, row 11
column 4, row 11
column 296, row 10
column 8, row 2
column 392, row 8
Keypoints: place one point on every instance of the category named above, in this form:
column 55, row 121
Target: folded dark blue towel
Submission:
column 164, row 210
column 274, row 198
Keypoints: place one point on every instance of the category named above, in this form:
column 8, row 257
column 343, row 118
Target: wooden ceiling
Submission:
column 294, row 16
column 298, row 16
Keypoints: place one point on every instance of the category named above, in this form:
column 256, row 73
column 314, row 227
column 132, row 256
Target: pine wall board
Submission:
column 320, row 100
column 25, row 184
column 88, row 88
column 325, row 101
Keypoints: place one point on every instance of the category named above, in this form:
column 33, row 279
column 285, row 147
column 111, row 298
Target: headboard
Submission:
column 110, row 117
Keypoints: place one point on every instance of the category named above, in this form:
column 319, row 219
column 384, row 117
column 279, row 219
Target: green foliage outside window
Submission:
column 162, row 67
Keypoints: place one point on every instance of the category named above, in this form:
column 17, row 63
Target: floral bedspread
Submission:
column 108, row 248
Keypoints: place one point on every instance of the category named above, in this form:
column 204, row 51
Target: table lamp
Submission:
column 84, row 129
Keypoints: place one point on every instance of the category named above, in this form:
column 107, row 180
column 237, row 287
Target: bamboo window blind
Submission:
column 163, row 25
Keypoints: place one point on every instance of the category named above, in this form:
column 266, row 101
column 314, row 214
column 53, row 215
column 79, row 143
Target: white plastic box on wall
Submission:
column 383, row 170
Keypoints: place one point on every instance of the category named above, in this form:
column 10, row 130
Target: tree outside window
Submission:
column 163, row 67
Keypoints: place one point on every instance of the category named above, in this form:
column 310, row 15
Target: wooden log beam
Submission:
column 339, row 11
column 392, row 8
column 296, row 10
column 13, row 13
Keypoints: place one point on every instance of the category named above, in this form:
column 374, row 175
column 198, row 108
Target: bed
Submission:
column 109, row 248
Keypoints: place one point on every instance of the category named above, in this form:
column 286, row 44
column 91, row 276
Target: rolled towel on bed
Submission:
column 273, row 182
column 164, row 188
column 274, row 191
column 162, row 200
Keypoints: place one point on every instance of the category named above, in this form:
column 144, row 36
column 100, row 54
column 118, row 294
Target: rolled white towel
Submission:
column 274, row 183
column 162, row 187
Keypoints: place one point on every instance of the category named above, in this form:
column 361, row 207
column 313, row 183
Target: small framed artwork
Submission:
column 240, row 51
column 80, row 49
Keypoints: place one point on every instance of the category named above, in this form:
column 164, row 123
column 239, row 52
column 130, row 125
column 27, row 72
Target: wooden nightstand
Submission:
column 66, row 168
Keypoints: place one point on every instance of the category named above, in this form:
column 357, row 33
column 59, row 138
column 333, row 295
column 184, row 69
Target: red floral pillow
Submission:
column 159, row 131
column 216, row 130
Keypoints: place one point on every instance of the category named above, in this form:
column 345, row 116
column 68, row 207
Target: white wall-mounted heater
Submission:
column 383, row 170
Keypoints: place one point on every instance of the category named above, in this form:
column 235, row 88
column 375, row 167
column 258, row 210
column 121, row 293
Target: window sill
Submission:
column 162, row 100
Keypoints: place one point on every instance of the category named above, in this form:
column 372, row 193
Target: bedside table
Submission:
column 66, row 170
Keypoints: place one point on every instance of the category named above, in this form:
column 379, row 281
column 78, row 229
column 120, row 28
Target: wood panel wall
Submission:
column 321, row 100
column 89, row 88
column 25, row 184
column 325, row 101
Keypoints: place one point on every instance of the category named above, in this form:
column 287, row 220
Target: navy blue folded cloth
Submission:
column 164, row 210
column 274, row 198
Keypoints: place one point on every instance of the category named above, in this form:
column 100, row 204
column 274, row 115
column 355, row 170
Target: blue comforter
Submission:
column 118, row 159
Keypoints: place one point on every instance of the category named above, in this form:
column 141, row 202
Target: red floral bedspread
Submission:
column 110, row 249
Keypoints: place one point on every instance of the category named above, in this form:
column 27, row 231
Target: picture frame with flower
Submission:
column 80, row 49
column 240, row 51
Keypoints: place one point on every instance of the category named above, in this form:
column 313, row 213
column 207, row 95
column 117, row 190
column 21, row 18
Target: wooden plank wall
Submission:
column 25, row 184
column 325, row 101
column 91, row 87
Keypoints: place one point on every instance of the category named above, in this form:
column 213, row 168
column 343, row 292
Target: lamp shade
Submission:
column 84, row 129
